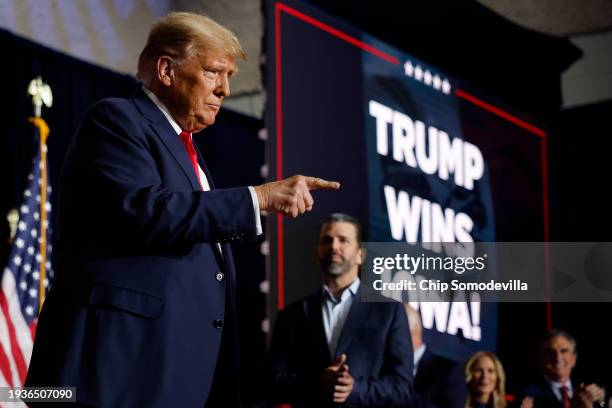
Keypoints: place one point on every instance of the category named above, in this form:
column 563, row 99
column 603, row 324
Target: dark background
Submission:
column 518, row 66
column 514, row 66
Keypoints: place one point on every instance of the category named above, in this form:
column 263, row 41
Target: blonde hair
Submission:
column 181, row 35
column 499, row 393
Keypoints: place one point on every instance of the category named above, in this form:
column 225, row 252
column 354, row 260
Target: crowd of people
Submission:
column 318, row 338
column 485, row 379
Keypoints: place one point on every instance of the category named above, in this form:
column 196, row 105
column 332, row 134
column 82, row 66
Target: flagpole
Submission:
column 41, row 93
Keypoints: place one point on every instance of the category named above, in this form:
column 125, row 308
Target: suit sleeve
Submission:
column 113, row 169
column 394, row 387
column 283, row 383
column 449, row 390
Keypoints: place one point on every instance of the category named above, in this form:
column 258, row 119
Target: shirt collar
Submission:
column 163, row 109
column 418, row 354
column 557, row 385
column 350, row 290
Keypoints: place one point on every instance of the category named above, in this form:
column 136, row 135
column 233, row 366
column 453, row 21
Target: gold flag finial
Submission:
column 12, row 218
column 41, row 94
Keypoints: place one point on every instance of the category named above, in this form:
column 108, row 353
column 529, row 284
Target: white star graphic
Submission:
column 36, row 275
column 33, row 292
column 23, row 285
column 408, row 68
column 29, row 310
column 446, row 86
column 19, row 242
column 31, row 250
column 427, row 78
column 27, row 268
column 17, row 260
column 418, row 73
column 21, row 226
column 24, row 209
column 27, row 193
column 33, row 233
column 437, row 82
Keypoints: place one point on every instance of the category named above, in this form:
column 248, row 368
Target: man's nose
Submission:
column 223, row 87
column 336, row 244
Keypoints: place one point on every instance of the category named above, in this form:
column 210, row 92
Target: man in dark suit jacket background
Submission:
column 141, row 313
column 556, row 389
column 439, row 382
column 331, row 347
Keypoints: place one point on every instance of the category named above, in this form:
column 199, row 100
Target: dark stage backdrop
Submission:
column 323, row 74
column 231, row 147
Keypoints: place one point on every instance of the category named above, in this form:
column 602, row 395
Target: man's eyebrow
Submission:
column 221, row 67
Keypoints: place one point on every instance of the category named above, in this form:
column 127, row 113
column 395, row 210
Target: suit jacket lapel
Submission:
column 357, row 314
column 226, row 260
column 550, row 396
column 203, row 166
column 166, row 133
column 314, row 316
column 175, row 146
column 424, row 369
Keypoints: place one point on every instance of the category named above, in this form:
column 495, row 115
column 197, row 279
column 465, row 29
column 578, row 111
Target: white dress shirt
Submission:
column 335, row 311
column 556, row 388
column 418, row 355
column 205, row 184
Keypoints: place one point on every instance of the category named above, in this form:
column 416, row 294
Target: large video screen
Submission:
column 421, row 155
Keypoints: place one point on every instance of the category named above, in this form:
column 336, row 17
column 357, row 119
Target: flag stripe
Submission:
column 10, row 370
column 23, row 331
column 15, row 347
column 5, row 366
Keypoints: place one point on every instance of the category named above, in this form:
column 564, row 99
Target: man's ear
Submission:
column 362, row 255
column 165, row 70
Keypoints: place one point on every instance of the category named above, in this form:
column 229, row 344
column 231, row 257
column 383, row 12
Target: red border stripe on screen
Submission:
column 280, row 252
column 487, row 106
column 337, row 33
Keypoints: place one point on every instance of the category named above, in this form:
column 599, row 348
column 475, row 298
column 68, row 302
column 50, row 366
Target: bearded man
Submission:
column 332, row 348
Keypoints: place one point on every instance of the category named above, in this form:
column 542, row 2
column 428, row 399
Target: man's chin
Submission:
column 333, row 269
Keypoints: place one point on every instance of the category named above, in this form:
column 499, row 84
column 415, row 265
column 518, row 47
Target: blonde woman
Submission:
column 485, row 380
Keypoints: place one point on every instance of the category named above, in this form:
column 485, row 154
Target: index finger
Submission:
column 314, row 183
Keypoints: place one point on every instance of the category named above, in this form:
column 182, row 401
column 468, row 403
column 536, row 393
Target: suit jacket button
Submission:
column 217, row 323
column 220, row 276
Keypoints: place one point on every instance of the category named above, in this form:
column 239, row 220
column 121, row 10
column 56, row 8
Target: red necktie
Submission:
column 186, row 138
column 565, row 396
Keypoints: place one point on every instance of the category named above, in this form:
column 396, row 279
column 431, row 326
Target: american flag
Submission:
column 19, row 294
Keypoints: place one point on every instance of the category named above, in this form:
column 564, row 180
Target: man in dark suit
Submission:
column 142, row 310
column 556, row 389
column 332, row 347
column 439, row 382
